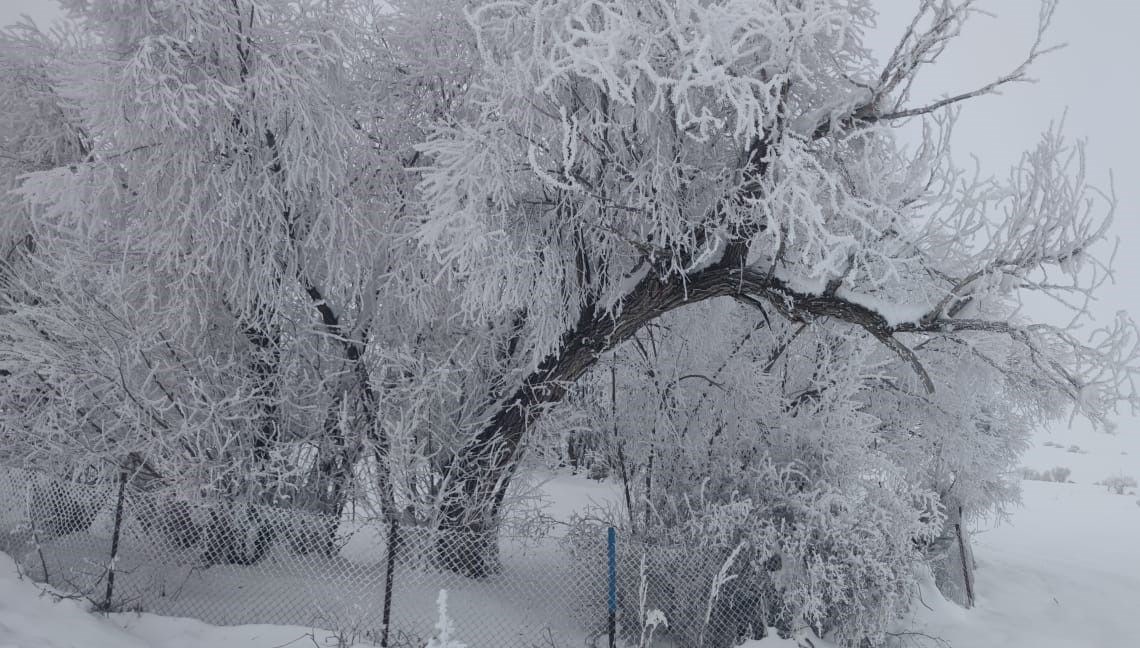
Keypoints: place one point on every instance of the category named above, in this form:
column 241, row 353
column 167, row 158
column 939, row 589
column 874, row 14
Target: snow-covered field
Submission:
column 1064, row 572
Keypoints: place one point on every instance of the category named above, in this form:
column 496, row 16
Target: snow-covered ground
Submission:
column 1063, row 572
column 32, row 618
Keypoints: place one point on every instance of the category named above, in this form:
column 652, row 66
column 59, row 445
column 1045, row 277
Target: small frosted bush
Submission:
column 444, row 627
column 1058, row 474
column 784, row 548
column 1119, row 483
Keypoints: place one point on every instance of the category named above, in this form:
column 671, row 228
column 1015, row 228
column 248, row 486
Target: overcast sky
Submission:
column 1094, row 79
column 41, row 11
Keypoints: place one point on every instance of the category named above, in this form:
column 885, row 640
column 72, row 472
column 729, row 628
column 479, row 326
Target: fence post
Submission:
column 35, row 534
column 115, row 542
column 967, row 572
column 390, row 569
column 611, row 547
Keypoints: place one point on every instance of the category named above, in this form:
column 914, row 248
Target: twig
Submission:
column 938, row 641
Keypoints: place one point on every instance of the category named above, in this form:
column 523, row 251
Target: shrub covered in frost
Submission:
column 444, row 627
column 787, row 549
column 1119, row 483
column 1058, row 474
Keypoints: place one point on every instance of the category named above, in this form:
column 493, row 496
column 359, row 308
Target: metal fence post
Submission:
column 107, row 604
column 611, row 542
column 390, row 570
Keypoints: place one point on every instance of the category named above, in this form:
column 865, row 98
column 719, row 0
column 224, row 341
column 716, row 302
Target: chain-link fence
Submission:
column 232, row 563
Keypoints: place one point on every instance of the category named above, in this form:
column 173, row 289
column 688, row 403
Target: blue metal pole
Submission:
column 611, row 542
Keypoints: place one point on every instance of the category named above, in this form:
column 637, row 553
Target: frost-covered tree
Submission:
column 624, row 160
column 222, row 294
column 216, row 247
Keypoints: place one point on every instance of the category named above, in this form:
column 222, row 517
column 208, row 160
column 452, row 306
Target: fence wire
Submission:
column 231, row 563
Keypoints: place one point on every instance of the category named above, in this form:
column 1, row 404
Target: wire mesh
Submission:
column 230, row 563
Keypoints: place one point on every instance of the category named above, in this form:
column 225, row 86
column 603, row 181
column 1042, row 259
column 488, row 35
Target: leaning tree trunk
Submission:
column 472, row 505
